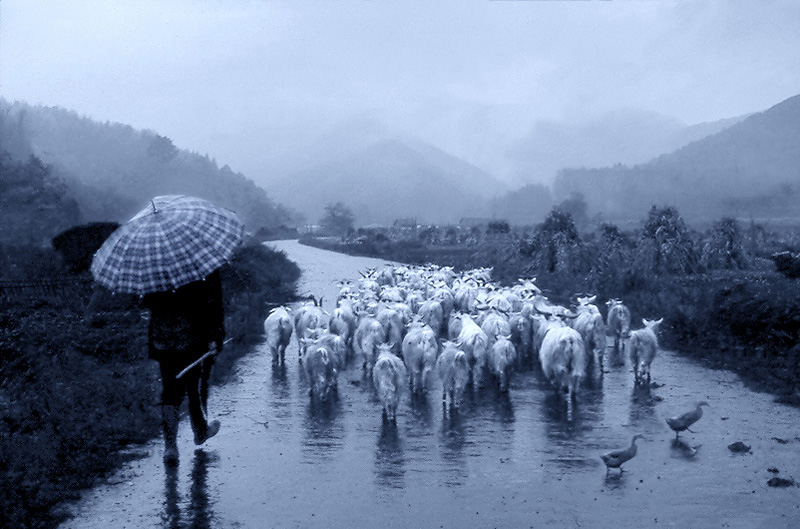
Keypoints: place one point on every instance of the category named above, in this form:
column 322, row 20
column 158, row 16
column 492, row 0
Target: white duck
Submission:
column 615, row 458
column 682, row 422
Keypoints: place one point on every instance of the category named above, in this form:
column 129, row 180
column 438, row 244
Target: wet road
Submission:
column 505, row 461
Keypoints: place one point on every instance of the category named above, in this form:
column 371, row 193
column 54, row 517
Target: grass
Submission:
column 77, row 388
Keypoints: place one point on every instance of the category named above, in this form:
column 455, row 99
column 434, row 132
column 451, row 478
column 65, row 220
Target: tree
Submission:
column 162, row 149
column 577, row 208
column 338, row 219
column 498, row 227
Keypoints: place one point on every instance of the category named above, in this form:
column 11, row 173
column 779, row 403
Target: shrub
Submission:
column 666, row 246
column 556, row 246
column 257, row 278
column 723, row 247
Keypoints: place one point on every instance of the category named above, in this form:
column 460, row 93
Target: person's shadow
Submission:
column 172, row 510
column 199, row 515
column 200, row 506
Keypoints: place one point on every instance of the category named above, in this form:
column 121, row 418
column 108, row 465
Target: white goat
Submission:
column 619, row 323
column 419, row 353
column 336, row 347
column 432, row 313
column 495, row 324
column 389, row 377
column 344, row 323
column 522, row 337
column 369, row 334
column 278, row 329
column 589, row 323
column 453, row 369
column 563, row 359
column 644, row 347
column 320, row 367
column 309, row 323
column 393, row 322
column 502, row 358
column 475, row 343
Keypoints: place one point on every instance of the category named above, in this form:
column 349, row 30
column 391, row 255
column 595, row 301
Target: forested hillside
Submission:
column 111, row 170
column 751, row 169
column 388, row 178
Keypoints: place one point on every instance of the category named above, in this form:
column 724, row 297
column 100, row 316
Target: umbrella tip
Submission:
column 154, row 206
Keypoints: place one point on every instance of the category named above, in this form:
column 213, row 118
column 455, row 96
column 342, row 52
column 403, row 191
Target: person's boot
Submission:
column 211, row 430
column 170, row 416
column 205, row 375
column 203, row 430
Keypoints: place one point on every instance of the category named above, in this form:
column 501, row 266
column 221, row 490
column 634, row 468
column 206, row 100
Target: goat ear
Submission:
column 658, row 321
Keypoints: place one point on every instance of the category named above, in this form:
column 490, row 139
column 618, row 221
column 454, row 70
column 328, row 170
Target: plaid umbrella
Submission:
column 173, row 241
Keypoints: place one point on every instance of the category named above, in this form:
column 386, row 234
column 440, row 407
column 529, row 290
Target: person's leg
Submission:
column 169, row 420
column 171, row 397
column 205, row 375
column 203, row 430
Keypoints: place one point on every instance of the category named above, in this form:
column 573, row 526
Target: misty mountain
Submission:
column 389, row 179
column 527, row 205
column 750, row 169
column 112, row 170
column 628, row 136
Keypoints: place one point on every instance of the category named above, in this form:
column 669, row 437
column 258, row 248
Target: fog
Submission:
column 252, row 82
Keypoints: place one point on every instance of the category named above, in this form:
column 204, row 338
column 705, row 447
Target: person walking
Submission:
column 184, row 325
column 170, row 254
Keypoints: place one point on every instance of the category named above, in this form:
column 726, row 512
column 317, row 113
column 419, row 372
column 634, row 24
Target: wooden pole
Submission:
column 212, row 352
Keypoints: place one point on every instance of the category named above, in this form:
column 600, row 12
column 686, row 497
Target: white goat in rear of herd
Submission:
column 389, row 376
column 453, row 368
column 563, row 359
column 420, row 349
column 278, row 330
column 644, row 347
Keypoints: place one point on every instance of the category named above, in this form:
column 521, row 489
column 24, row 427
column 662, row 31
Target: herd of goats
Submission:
column 404, row 323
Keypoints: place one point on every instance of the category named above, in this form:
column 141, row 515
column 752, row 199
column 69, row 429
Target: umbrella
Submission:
column 175, row 240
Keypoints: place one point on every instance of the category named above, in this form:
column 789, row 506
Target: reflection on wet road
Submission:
column 514, row 460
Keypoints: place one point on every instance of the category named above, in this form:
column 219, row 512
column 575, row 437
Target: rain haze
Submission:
column 450, row 261
column 251, row 82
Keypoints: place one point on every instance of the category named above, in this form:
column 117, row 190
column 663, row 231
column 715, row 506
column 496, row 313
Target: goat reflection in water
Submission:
column 452, row 443
column 324, row 431
column 389, row 460
column 199, row 513
column 642, row 410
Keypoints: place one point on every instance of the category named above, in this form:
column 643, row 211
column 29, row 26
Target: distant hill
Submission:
column 525, row 206
column 383, row 177
column 112, row 170
column 627, row 136
column 750, row 169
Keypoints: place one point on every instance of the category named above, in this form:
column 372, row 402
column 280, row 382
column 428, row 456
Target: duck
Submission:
column 616, row 458
column 682, row 422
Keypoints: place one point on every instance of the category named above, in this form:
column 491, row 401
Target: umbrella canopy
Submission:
column 175, row 240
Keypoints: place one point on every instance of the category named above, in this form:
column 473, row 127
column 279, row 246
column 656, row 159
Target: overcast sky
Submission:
column 241, row 80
